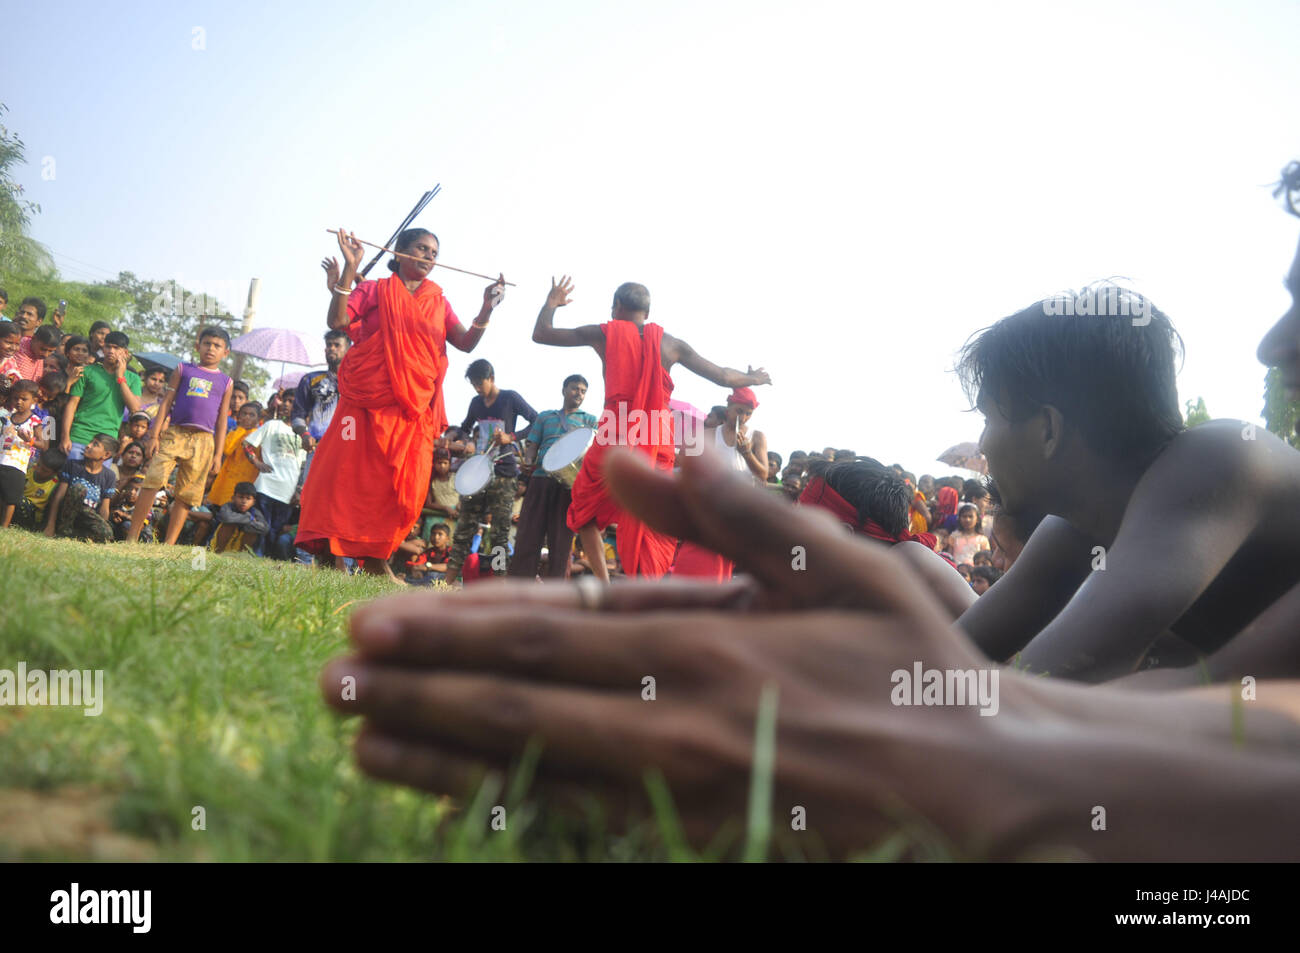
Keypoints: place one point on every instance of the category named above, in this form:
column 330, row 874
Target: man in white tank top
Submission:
column 745, row 453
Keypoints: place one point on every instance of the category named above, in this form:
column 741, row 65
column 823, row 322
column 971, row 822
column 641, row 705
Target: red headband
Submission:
column 820, row 494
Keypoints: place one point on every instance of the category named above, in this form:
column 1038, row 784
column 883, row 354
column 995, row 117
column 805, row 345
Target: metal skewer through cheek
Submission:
column 423, row 261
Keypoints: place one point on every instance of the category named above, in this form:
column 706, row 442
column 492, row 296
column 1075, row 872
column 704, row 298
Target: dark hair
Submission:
column 334, row 333
column 245, row 489
column 4, row 296
column 153, row 369
column 96, row 325
column 23, row 387
column 240, row 385
column 875, row 491
column 117, row 339
column 572, row 378
column 439, row 526
column 55, row 381
column 773, row 453
column 60, row 359
column 979, row 520
column 54, row 458
column 212, row 331
column 38, row 303
column 848, row 455
column 988, row 573
column 406, row 240
column 107, row 442
column 633, row 297
column 799, row 453
column 47, row 334
column 973, row 490
column 480, row 371
column 9, row 329
column 257, row 408
column 72, row 340
column 982, row 556
column 1111, row 377
column 1289, row 188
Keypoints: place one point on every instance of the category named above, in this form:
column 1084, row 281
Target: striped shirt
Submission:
column 550, row 426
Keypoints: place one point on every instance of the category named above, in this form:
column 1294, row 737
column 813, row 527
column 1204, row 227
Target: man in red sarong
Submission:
column 637, row 356
column 370, row 473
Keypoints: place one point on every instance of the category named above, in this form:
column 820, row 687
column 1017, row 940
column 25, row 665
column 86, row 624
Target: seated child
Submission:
column 431, row 564
column 238, row 466
column 79, row 507
column 41, row 483
column 130, row 464
column 240, row 524
column 981, row 577
column 21, row 435
column 123, row 503
column 443, row 502
column 133, row 431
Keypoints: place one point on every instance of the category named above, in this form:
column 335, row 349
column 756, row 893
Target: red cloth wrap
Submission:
column 635, row 380
column 947, row 500
column 370, row 472
column 819, row 493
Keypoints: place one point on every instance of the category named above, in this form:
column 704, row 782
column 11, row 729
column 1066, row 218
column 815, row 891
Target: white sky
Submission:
column 840, row 192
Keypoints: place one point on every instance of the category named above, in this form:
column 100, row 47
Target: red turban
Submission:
column 744, row 397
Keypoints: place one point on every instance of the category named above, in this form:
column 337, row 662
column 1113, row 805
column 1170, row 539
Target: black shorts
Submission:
column 12, row 483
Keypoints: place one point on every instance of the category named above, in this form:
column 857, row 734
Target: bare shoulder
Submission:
column 674, row 347
column 1226, row 455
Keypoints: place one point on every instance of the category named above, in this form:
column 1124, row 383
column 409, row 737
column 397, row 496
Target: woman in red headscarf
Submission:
column 370, row 472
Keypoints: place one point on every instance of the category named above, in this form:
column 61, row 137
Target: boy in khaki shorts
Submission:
column 198, row 402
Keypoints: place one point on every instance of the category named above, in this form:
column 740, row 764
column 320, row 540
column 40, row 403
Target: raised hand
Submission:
column 494, row 293
column 332, row 272
column 560, row 294
column 757, row 377
column 352, row 249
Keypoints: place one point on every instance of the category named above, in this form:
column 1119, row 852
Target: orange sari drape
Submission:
column 370, row 472
column 635, row 381
column 236, row 468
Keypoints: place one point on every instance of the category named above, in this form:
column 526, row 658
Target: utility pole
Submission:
column 254, row 289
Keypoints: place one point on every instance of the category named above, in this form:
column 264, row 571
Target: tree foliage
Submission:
column 18, row 251
column 1280, row 415
column 165, row 316
column 1196, row 414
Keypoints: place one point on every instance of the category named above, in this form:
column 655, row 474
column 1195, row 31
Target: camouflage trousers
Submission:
column 76, row 520
column 497, row 498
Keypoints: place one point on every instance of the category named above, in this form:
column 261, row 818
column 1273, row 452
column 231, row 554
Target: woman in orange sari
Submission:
column 371, row 469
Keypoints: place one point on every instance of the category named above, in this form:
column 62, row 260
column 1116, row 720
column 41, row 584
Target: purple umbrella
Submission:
column 273, row 344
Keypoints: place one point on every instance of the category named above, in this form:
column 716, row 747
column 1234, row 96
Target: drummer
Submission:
column 546, row 502
column 492, row 418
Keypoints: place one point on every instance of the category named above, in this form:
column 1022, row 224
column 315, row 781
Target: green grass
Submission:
column 211, row 701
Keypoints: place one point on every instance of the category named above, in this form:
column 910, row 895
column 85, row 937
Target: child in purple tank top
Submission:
column 198, row 402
